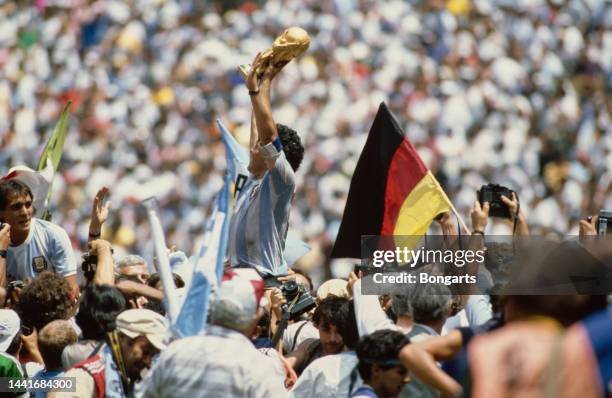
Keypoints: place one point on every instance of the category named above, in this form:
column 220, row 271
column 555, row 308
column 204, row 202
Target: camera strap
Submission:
column 284, row 321
column 516, row 213
column 459, row 232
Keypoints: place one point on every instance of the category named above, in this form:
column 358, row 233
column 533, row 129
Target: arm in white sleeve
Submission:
column 368, row 312
column 478, row 309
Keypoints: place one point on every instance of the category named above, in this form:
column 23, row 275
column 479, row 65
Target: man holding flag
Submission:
column 259, row 226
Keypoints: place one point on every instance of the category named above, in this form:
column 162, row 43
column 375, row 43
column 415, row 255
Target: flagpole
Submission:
column 162, row 256
column 467, row 230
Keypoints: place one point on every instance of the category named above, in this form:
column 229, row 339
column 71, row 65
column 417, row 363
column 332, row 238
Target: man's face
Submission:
column 331, row 340
column 139, row 355
column 138, row 272
column 18, row 213
column 393, row 380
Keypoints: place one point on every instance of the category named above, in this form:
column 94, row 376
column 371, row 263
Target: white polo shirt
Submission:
column 47, row 248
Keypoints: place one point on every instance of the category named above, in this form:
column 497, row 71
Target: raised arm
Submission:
column 105, row 273
column 99, row 213
column 264, row 127
column 516, row 211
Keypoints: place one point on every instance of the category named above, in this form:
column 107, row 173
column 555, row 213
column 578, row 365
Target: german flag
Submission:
column 392, row 192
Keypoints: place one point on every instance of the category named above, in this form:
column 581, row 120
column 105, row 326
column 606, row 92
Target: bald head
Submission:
column 52, row 339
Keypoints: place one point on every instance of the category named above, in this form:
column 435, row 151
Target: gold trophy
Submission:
column 292, row 43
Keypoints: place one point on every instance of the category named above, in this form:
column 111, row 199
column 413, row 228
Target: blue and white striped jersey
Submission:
column 259, row 226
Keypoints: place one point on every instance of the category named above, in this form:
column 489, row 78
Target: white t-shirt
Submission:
column 47, row 248
column 308, row 331
column 329, row 377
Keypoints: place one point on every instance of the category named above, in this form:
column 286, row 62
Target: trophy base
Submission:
column 244, row 70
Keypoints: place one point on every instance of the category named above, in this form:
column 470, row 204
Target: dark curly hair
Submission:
column 379, row 347
column 100, row 305
column 339, row 312
column 292, row 145
column 45, row 299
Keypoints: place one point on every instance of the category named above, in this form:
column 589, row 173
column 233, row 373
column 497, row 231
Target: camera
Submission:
column 492, row 193
column 604, row 222
column 299, row 300
column 12, row 285
column 12, row 291
column 90, row 262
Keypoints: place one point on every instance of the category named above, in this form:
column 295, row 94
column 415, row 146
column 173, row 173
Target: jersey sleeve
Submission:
column 282, row 175
column 62, row 256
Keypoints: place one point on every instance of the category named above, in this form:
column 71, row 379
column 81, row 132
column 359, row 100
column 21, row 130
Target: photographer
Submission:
column 332, row 320
column 501, row 202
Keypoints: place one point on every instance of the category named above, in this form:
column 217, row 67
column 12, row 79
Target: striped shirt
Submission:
column 259, row 226
column 223, row 363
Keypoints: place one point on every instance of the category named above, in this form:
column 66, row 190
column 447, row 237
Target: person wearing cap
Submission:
column 379, row 366
column 223, row 362
column 10, row 343
column 116, row 365
column 29, row 245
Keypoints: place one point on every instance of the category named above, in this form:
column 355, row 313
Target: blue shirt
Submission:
column 47, row 248
column 259, row 226
column 365, row 391
column 46, row 375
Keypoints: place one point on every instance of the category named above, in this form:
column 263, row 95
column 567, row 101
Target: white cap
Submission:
column 142, row 322
column 10, row 324
column 333, row 287
column 238, row 298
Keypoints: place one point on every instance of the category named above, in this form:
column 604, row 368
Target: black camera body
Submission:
column 492, row 193
column 89, row 265
column 604, row 222
column 12, row 285
column 299, row 300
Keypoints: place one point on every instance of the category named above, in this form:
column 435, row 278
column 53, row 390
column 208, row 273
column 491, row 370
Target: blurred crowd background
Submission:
column 515, row 92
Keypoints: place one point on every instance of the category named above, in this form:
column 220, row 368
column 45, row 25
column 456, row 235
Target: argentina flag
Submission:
column 211, row 257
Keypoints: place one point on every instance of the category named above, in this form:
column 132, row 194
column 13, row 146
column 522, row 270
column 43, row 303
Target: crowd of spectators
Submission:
column 510, row 92
column 525, row 85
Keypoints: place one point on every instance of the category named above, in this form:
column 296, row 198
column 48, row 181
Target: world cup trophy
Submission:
column 290, row 44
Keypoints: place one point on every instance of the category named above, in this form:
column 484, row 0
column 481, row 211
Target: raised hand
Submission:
column 252, row 80
column 588, row 227
column 99, row 212
column 480, row 216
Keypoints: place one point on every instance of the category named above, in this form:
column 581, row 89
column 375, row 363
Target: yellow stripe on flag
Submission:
column 421, row 206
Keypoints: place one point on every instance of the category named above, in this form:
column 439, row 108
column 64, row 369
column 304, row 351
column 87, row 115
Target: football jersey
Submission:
column 47, row 248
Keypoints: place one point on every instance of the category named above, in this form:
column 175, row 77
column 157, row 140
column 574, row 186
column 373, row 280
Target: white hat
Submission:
column 238, row 297
column 141, row 322
column 333, row 287
column 10, row 324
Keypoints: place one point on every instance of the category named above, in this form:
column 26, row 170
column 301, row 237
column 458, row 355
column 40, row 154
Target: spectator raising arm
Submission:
column 105, row 274
column 516, row 212
column 99, row 213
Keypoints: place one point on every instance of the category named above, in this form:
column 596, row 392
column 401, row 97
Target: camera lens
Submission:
column 290, row 289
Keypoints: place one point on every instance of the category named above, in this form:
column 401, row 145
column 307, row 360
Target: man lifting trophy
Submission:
column 293, row 42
